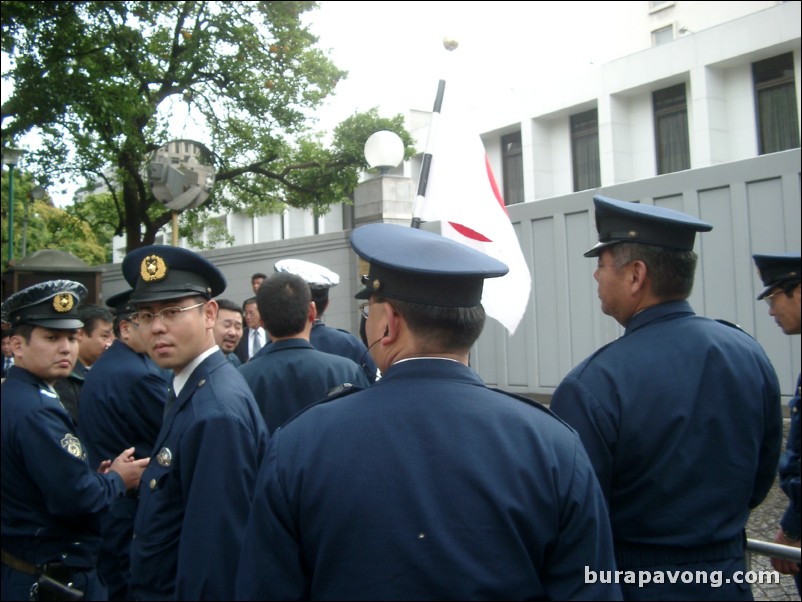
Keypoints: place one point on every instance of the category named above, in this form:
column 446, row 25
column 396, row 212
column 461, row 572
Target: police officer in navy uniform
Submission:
column 290, row 374
column 196, row 492
column 426, row 485
column 781, row 275
column 52, row 498
column 121, row 403
column 680, row 416
column 330, row 340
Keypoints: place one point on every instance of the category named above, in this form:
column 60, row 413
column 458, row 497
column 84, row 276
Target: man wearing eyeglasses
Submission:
column 194, row 502
column 782, row 275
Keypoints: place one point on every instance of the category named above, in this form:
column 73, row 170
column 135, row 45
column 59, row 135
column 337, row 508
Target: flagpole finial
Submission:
column 450, row 43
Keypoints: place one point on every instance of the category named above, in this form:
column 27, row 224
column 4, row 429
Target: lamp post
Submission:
column 36, row 194
column 10, row 158
column 384, row 198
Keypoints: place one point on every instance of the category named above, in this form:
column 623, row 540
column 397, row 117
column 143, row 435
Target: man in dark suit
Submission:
column 254, row 336
column 8, row 357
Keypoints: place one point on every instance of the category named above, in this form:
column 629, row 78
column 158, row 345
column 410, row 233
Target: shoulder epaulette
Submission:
column 334, row 393
column 341, row 391
column 535, row 404
column 732, row 325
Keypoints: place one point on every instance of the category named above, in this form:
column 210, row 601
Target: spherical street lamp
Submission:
column 384, row 150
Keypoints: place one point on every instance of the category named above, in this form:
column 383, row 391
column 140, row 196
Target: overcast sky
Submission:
column 393, row 52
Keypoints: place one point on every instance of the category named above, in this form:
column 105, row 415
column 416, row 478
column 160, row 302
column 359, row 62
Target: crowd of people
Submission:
column 180, row 445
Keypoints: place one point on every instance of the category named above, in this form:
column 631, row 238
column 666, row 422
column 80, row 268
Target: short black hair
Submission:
column 441, row 328
column 90, row 314
column 671, row 270
column 23, row 330
column 283, row 301
column 320, row 295
column 229, row 305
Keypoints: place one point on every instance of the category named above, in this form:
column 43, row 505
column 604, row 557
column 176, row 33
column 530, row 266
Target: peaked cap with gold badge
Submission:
column 162, row 272
column 622, row 221
column 52, row 304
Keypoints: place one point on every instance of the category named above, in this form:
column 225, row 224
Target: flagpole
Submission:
column 417, row 207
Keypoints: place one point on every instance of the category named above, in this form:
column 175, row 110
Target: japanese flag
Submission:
column 462, row 194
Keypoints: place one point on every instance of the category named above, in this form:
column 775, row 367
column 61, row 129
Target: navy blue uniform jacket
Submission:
column 427, row 485
column 195, row 493
column 52, row 498
column 789, row 469
column 286, row 376
column 341, row 342
column 121, row 406
column 681, row 418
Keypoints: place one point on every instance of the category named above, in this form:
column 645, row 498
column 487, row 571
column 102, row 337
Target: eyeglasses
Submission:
column 769, row 298
column 168, row 315
column 364, row 309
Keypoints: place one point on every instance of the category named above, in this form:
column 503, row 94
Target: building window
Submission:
column 512, row 168
column 659, row 5
column 775, row 102
column 664, row 35
column 671, row 129
column 585, row 150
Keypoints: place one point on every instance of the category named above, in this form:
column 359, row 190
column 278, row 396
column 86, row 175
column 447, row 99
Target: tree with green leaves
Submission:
column 100, row 81
column 38, row 224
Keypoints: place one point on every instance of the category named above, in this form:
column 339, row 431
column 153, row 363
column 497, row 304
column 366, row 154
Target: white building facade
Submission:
column 718, row 92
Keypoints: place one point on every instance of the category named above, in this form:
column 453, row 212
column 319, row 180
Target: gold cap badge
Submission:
column 153, row 269
column 63, row 302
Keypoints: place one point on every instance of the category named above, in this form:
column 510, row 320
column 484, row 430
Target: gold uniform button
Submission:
column 153, row 483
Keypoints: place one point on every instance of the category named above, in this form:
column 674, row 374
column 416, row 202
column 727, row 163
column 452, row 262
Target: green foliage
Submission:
column 99, row 82
column 49, row 227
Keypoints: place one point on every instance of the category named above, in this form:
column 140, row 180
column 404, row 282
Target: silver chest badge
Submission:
column 165, row 457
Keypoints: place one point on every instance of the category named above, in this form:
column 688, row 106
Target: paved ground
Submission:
column 762, row 525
